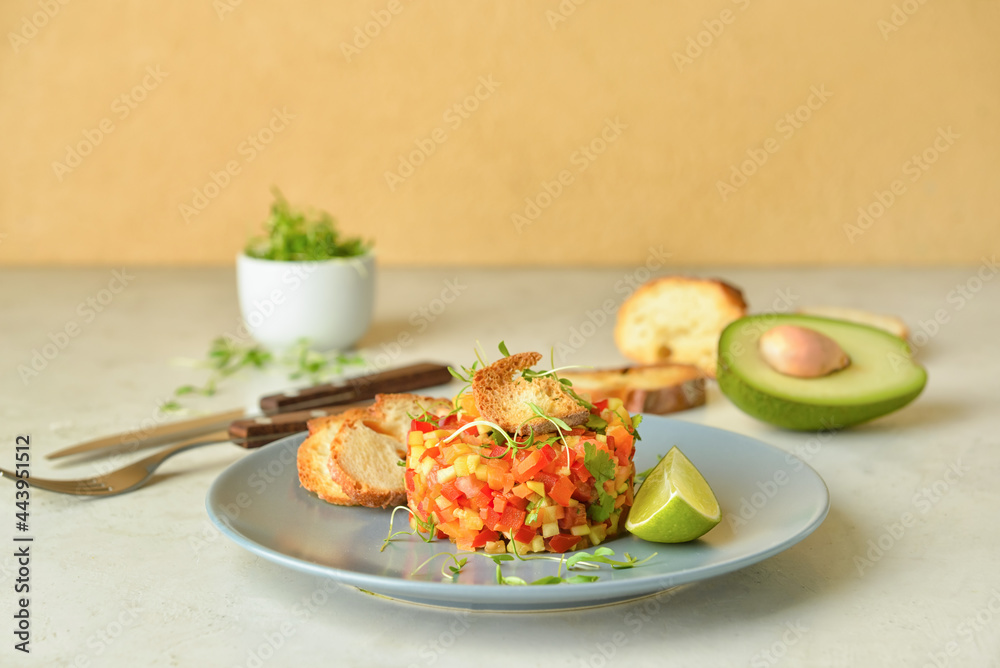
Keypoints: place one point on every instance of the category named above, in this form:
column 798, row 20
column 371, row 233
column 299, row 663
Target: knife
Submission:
column 251, row 430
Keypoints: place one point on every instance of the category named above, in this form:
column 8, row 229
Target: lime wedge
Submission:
column 674, row 504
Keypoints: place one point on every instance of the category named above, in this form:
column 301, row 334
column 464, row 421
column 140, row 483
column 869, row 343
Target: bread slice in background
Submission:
column 889, row 323
column 365, row 463
column 313, row 461
column 678, row 319
column 502, row 396
column 656, row 389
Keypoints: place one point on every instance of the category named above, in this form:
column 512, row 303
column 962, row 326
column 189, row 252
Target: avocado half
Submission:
column 881, row 378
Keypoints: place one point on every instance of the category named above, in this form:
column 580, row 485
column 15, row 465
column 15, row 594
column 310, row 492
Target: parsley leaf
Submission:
column 602, row 467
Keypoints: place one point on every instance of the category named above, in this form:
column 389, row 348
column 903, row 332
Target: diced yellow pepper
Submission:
column 536, row 486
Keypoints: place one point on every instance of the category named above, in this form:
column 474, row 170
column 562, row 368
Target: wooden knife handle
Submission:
column 255, row 432
column 358, row 389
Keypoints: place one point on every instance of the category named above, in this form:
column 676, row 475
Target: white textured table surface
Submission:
column 143, row 579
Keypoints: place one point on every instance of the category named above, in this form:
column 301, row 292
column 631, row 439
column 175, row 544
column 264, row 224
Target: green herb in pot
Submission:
column 293, row 237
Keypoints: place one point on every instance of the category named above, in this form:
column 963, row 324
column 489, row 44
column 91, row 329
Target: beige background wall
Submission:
column 885, row 85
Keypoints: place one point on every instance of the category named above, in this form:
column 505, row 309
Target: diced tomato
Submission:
column 484, row 536
column 563, row 542
column 433, row 452
column 409, row 480
column 548, row 479
column 584, row 491
column 417, row 425
column 577, row 431
column 497, row 450
column 524, row 534
column 469, row 485
column 500, row 502
column 517, row 502
column 562, row 491
column 440, row 534
column 511, row 518
column 449, row 421
column 574, row 515
column 450, row 491
column 601, row 405
column 548, row 453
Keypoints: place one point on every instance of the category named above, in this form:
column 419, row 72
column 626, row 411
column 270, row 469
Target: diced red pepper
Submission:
column 492, row 520
column 450, row 491
column 417, row 425
column 483, row 537
column 562, row 491
column 563, row 542
column 449, row 421
column 601, row 405
column 524, row 534
column 548, row 452
column 511, row 519
column 434, row 452
column 529, row 466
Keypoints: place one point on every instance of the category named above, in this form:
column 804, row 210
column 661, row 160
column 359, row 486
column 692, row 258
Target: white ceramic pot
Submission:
column 328, row 302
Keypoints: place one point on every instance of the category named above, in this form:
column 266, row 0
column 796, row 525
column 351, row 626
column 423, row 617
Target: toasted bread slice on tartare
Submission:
column 503, row 395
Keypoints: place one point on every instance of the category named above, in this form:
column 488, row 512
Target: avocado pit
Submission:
column 801, row 352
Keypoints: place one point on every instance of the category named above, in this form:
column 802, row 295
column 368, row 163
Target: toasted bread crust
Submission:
column 652, row 326
column 312, row 460
column 501, row 397
column 656, row 389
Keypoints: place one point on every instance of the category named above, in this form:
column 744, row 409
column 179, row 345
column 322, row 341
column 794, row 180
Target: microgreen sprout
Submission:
column 453, row 569
column 427, row 525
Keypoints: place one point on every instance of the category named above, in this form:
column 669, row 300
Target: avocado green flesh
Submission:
column 880, row 379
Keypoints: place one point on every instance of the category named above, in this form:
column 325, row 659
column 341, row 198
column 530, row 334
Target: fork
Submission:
column 125, row 479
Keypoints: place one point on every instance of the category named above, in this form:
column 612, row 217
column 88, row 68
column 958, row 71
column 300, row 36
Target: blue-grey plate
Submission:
column 770, row 500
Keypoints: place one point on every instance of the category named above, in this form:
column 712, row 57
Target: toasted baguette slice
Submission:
column 313, row 463
column 502, row 397
column 657, row 389
column 889, row 323
column 364, row 463
column 384, row 424
column 393, row 413
column 678, row 319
